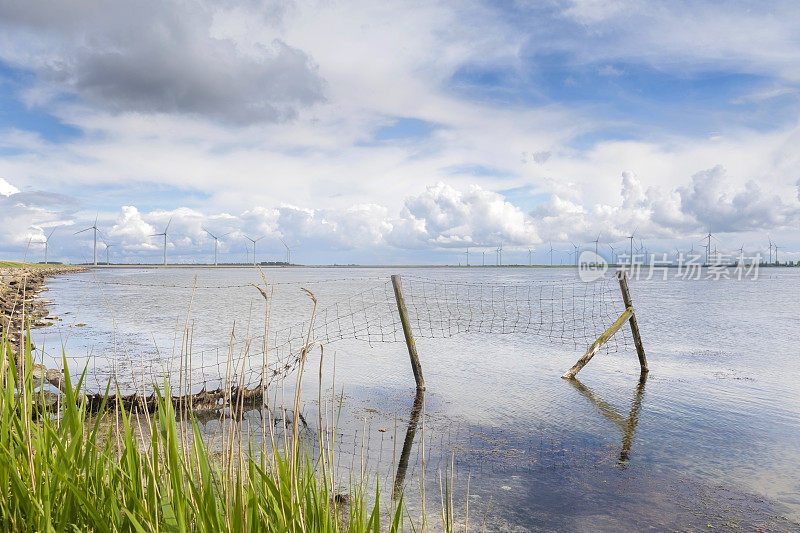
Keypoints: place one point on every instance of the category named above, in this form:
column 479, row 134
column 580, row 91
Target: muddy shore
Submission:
column 19, row 306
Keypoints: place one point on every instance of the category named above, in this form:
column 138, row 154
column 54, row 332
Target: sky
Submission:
column 397, row 132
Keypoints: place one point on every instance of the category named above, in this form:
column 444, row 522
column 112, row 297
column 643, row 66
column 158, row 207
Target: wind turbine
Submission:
column 107, row 247
column 577, row 249
column 47, row 244
column 775, row 245
column 631, row 236
column 596, row 242
column 530, row 257
column 216, row 243
column 551, row 253
column 741, row 254
column 707, row 246
column 288, row 253
column 499, row 252
column 94, row 227
column 254, row 241
column 483, row 258
column 164, row 233
column 770, row 248
column 467, row 252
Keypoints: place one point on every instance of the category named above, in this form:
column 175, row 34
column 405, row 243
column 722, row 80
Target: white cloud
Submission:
column 439, row 218
column 710, row 203
column 131, row 231
column 6, row 189
column 445, row 217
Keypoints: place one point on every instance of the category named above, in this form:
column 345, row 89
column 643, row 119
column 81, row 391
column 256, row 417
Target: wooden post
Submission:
column 637, row 339
column 628, row 316
column 412, row 348
column 595, row 347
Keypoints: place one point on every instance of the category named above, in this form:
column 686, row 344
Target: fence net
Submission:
column 571, row 313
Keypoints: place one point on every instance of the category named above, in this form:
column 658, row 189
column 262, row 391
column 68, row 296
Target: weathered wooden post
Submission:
column 412, row 348
column 627, row 316
column 637, row 339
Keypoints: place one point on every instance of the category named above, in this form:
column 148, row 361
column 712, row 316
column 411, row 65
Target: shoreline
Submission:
column 20, row 284
column 199, row 266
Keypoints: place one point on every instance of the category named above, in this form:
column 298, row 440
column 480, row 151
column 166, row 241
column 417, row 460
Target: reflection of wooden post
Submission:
column 626, row 425
column 412, row 348
column 633, row 419
column 411, row 431
column 626, row 297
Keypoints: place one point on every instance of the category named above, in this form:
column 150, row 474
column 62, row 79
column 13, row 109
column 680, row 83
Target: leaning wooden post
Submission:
column 627, row 316
column 637, row 339
column 596, row 345
column 412, row 348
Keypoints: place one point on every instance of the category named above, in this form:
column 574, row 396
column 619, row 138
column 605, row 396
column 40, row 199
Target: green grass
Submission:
column 71, row 471
column 15, row 264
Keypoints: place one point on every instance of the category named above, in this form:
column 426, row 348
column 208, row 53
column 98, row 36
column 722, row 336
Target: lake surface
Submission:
column 710, row 438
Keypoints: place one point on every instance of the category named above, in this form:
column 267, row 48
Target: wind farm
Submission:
column 629, row 250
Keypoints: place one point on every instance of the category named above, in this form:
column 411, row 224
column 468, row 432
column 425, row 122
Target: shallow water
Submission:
column 712, row 437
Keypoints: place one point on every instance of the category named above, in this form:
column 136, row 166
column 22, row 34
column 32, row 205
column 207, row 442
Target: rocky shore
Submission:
column 19, row 285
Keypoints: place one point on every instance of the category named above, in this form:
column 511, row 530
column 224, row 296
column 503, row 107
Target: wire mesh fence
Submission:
column 571, row 313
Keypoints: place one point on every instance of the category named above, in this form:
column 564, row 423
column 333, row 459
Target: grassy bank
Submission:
column 66, row 470
column 15, row 264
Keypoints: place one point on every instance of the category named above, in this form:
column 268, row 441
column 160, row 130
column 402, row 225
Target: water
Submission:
column 712, row 437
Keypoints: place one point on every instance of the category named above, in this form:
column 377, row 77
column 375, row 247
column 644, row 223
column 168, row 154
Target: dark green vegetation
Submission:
column 63, row 468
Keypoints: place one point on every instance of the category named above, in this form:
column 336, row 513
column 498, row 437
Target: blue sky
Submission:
column 398, row 133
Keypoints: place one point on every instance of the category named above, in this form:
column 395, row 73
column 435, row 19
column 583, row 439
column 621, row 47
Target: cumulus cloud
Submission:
column 443, row 217
column 131, row 231
column 161, row 57
column 709, row 203
column 439, row 218
column 360, row 226
column 446, row 217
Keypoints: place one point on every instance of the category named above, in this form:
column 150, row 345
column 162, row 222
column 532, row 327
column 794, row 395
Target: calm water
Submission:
column 712, row 437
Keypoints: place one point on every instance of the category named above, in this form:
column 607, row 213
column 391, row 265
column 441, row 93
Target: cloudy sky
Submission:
column 397, row 132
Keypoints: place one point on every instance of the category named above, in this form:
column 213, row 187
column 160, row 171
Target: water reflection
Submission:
column 627, row 425
column 411, row 431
